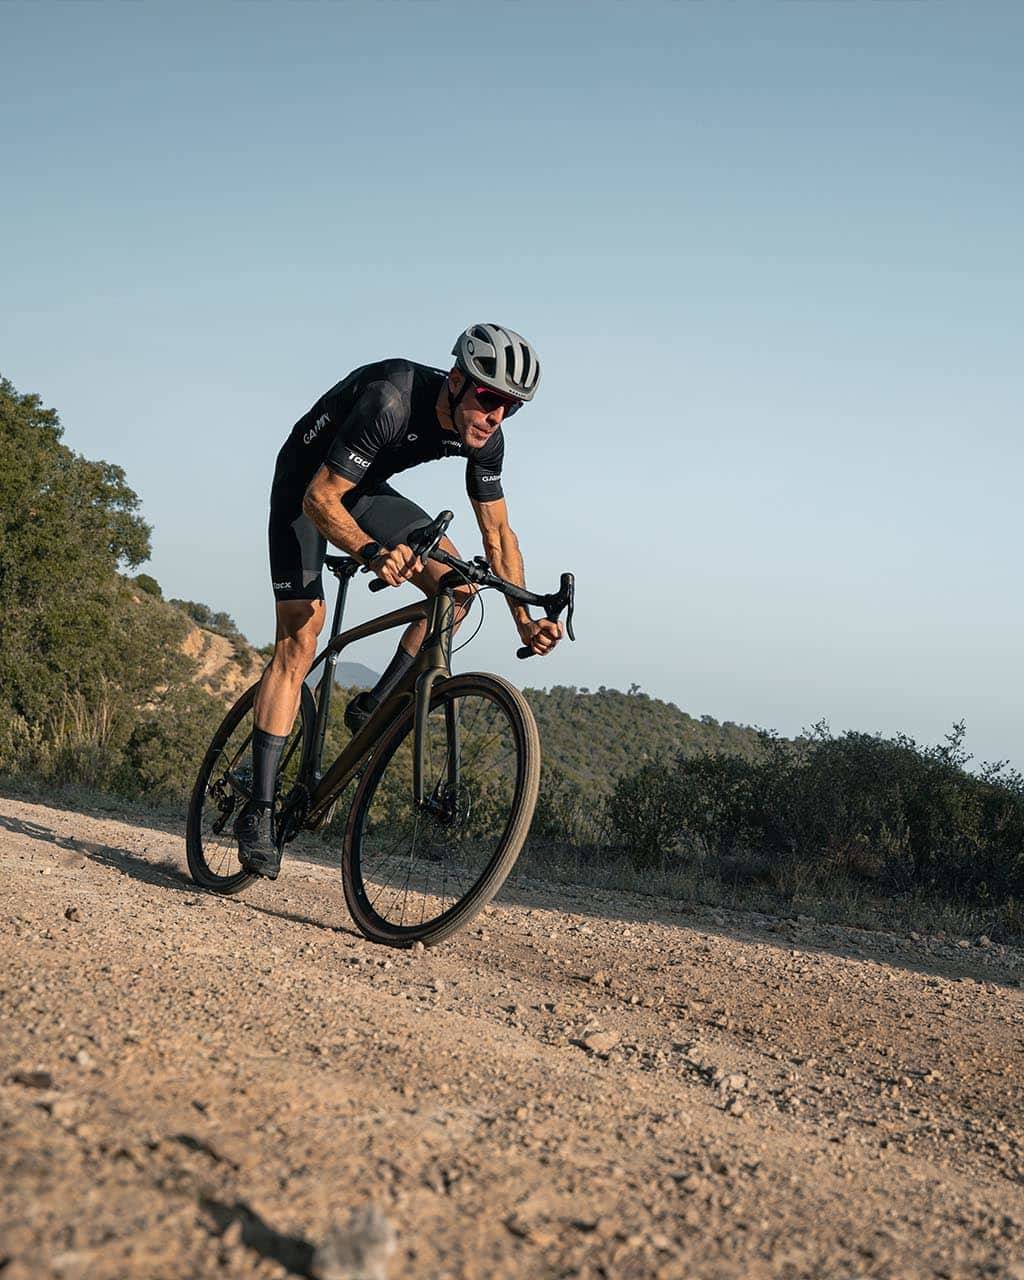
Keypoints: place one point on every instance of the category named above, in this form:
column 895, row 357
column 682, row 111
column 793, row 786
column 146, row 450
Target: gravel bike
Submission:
column 446, row 769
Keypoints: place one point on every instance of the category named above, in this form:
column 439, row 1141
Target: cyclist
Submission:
column 331, row 485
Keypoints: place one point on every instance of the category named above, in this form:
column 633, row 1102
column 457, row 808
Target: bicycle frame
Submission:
column 433, row 662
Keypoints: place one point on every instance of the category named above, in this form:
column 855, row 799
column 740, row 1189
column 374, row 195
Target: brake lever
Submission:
column 564, row 599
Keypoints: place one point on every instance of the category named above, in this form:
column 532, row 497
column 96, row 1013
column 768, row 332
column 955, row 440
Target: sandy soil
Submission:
column 582, row 1085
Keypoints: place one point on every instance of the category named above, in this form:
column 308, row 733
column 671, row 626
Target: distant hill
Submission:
column 594, row 737
column 353, row 675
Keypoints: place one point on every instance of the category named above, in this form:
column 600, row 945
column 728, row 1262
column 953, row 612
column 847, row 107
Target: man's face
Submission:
column 474, row 423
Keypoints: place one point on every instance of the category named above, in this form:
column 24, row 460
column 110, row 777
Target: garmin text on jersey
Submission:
column 316, row 428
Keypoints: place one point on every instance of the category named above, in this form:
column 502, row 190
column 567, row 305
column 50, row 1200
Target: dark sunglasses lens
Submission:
column 490, row 400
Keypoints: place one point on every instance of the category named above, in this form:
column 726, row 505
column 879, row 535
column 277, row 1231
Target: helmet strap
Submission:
column 454, row 400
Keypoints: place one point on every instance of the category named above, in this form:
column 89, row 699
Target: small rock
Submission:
column 33, row 1079
column 72, row 913
column 735, row 1107
column 963, row 944
column 72, row 1264
column 598, row 979
column 601, row 1042
column 418, row 948
column 984, row 940
column 734, row 1083
column 64, row 1110
column 83, row 1058
column 358, row 1251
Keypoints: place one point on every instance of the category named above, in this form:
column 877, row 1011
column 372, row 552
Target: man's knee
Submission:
column 299, row 623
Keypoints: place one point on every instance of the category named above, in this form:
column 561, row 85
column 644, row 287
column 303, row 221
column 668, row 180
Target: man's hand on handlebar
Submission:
column 397, row 565
column 540, row 637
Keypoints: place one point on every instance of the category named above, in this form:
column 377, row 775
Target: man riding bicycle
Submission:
column 330, row 485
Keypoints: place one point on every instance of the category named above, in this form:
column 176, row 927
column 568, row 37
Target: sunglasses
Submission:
column 489, row 400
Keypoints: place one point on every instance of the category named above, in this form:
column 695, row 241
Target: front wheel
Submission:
column 417, row 874
column 224, row 785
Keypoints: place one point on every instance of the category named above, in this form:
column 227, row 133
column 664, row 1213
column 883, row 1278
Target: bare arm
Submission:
column 501, row 547
column 323, row 505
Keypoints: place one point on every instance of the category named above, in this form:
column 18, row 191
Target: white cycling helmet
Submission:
column 498, row 358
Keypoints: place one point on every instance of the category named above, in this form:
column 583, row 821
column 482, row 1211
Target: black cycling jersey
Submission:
column 378, row 421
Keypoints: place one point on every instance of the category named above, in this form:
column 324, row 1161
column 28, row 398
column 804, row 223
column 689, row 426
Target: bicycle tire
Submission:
column 218, row 877
column 457, row 830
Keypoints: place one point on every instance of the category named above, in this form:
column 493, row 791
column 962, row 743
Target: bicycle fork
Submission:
column 437, row 652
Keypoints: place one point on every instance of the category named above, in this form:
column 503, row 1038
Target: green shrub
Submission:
column 148, row 584
column 883, row 811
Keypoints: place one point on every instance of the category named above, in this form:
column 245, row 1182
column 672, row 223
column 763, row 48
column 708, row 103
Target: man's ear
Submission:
column 455, row 380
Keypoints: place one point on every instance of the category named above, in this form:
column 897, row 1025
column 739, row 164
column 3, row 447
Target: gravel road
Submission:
column 583, row 1084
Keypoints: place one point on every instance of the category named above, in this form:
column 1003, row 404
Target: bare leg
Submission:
column 299, row 622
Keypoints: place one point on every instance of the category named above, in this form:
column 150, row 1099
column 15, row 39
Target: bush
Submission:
column 222, row 624
column 148, row 584
column 566, row 815
column 162, row 755
column 884, row 811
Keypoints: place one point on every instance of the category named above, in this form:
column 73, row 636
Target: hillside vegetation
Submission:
column 103, row 683
column 592, row 738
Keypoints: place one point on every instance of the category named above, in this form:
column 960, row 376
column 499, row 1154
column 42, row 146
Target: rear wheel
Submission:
column 418, row 874
column 224, row 785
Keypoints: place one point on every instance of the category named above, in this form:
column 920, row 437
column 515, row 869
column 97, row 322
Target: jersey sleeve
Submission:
column 374, row 421
column 483, row 470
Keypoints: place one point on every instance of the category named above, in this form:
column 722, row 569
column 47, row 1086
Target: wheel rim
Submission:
column 414, row 867
column 227, row 786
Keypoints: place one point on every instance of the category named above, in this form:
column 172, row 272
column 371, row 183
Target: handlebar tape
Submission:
column 524, row 652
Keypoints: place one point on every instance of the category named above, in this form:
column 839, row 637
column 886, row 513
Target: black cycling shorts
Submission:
column 297, row 547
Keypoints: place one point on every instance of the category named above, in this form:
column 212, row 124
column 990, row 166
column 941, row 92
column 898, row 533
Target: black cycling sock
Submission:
column 266, row 757
column 396, row 668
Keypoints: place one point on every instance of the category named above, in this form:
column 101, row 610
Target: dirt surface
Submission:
column 581, row 1085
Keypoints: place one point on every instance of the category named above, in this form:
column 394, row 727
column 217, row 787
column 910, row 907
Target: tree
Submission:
column 67, row 624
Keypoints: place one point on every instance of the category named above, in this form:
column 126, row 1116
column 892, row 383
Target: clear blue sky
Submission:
column 771, row 256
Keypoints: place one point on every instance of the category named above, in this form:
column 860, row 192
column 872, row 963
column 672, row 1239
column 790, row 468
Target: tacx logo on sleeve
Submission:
column 360, row 462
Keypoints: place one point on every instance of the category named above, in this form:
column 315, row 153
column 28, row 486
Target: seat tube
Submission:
column 325, row 689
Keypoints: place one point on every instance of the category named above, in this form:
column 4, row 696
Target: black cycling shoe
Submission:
column 257, row 851
column 358, row 712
